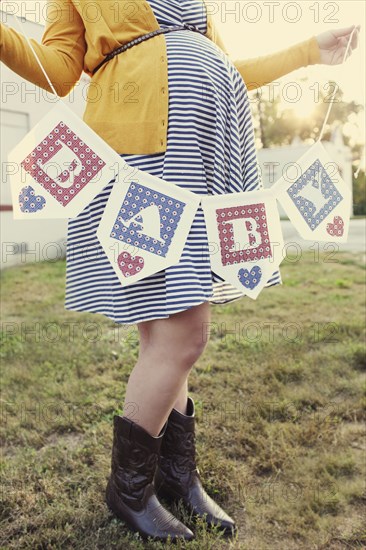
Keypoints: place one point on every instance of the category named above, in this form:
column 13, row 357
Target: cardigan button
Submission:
column 163, row 90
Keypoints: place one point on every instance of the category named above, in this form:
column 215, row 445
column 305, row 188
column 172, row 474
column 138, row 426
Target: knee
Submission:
column 195, row 334
column 181, row 338
column 190, row 350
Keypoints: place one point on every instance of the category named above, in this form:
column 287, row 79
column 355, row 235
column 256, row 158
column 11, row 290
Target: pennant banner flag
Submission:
column 59, row 167
column 145, row 225
column 245, row 238
column 315, row 197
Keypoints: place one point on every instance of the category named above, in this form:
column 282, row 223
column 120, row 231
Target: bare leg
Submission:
column 168, row 350
column 181, row 401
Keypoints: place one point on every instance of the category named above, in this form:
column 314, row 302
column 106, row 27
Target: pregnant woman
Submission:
column 174, row 105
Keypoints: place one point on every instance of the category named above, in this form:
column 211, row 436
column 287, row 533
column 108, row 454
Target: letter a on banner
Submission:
column 145, row 225
column 317, row 201
column 246, row 226
column 61, row 166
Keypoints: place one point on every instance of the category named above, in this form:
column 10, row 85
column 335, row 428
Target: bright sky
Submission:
column 267, row 26
column 253, row 28
column 263, row 27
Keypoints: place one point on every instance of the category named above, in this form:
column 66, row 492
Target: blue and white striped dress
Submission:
column 210, row 150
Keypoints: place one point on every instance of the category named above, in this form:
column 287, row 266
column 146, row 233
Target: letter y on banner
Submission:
column 247, row 228
column 316, row 199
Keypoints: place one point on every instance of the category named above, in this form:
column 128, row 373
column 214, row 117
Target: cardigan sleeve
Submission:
column 61, row 50
column 259, row 71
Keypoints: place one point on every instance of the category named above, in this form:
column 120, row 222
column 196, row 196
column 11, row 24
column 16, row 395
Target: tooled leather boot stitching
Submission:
column 177, row 476
column 130, row 493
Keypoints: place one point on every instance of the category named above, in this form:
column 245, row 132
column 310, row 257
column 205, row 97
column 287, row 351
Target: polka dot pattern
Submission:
column 250, row 278
column 62, row 136
column 130, row 265
column 137, row 199
column 307, row 209
column 336, row 228
column 29, row 202
column 249, row 251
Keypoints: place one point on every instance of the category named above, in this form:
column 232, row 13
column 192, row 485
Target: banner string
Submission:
column 362, row 158
column 335, row 89
column 21, row 27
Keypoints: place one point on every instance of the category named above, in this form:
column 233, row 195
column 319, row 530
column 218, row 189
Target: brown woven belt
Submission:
column 145, row 37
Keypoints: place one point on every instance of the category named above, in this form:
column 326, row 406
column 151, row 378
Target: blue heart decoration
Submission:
column 250, row 279
column 29, row 201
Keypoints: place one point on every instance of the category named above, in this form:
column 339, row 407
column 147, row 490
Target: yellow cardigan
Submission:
column 127, row 99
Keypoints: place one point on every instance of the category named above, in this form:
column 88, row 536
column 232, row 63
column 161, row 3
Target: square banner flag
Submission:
column 145, row 225
column 315, row 198
column 59, row 167
column 245, row 238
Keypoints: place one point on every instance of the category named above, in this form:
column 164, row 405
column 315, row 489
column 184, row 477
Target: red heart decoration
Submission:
column 130, row 265
column 337, row 227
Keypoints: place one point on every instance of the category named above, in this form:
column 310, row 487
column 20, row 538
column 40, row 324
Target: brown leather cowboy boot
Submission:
column 130, row 492
column 177, row 476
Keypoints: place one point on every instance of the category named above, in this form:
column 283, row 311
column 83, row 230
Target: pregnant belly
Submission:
column 194, row 59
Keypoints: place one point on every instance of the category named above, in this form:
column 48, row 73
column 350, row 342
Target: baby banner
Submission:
column 315, row 197
column 145, row 225
column 60, row 166
column 245, row 235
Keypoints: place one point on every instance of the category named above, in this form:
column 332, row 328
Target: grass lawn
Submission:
column 280, row 412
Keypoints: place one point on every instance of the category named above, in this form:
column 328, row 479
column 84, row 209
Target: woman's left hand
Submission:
column 333, row 44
